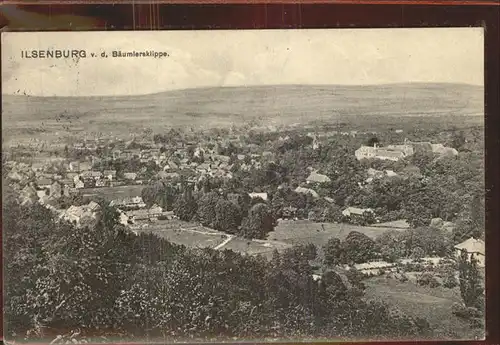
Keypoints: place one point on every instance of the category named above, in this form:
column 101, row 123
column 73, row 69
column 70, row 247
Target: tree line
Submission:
column 105, row 280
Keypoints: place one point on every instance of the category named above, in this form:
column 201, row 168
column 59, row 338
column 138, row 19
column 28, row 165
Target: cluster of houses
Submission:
column 397, row 152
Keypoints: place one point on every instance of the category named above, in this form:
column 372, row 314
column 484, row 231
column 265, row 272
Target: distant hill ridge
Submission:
column 286, row 87
column 224, row 106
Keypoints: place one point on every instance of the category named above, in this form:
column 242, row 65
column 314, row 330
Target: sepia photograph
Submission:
column 243, row 185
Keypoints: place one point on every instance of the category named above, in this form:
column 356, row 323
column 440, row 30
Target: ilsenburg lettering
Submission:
column 53, row 53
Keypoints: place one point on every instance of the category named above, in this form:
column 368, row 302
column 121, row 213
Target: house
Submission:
column 56, row 190
column 138, row 215
column 314, row 177
column 167, row 175
column 85, row 166
column 154, row 212
column 37, row 166
column 91, row 175
column 306, row 191
column 41, row 194
column 79, row 184
column 374, row 267
column 43, row 183
column 407, row 149
column 330, row 200
column 355, row 211
column 81, row 215
column 391, row 152
column 71, row 175
column 109, row 174
column 15, row 176
column 368, row 152
column 473, row 247
column 263, row 196
column 204, row 167
column 130, row 176
column 222, row 158
column 68, row 183
column 28, row 195
column 444, row 151
column 131, row 202
column 74, row 166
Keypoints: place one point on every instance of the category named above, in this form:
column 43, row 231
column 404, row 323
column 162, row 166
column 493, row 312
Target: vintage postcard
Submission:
column 243, row 185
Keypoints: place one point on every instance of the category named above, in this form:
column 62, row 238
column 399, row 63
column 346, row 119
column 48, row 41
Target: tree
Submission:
column 333, row 214
column 358, row 248
column 372, row 141
column 206, row 209
column 458, row 140
column 306, row 251
column 471, row 289
column 185, row 207
column 430, row 241
column 258, row 223
column 368, row 218
column 450, row 280
column 160, row 193
column 390, row 246
column 227, row 216
column 333, row 252
column 471, row 222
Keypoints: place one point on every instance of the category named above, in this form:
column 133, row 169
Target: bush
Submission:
column 450, row 281
column 358, row 248
column 477, row 322
column 417, row 253
column 461, row 311
column 402, row 277
column 428, row 279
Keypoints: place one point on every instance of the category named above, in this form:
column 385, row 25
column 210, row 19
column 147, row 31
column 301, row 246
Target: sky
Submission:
column 240, row 58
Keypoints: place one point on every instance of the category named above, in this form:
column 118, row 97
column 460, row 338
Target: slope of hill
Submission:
column 217, row 107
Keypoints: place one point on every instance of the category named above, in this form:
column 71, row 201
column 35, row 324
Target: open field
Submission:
column 110, row 193
column 286, row 234
column 196, row 236
column 255, row 247
column 185, row 233
column 432, row 304
column 47, row 118
column 305, row 231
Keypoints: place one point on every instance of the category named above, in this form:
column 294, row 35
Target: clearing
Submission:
column 432, row 304
column 305, row 231
column 194, row 235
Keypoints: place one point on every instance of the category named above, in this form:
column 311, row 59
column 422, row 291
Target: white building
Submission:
column 473, row 247
column 348, row 212
column 263, row 196
column 314, row 177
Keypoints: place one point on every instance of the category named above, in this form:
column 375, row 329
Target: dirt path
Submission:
column 226, row 241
